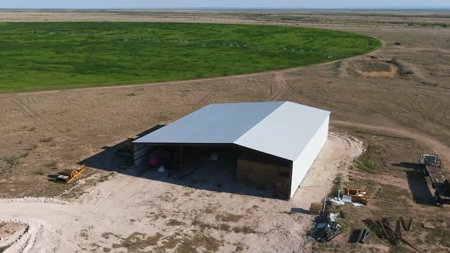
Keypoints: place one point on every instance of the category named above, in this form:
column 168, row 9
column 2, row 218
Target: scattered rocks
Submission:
column 33, row 199
column 428, row 225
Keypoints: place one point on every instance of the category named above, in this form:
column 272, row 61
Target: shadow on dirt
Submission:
column 212, row 175
column 299, row 210
column 354, row 236
column 115, row 158
column 417, row 183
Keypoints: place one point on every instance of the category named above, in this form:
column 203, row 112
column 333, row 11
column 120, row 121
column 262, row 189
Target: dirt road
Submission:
column 436, row 146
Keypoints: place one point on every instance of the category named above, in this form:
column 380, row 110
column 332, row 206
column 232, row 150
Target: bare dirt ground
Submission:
column 395, row 98
column 131, row 212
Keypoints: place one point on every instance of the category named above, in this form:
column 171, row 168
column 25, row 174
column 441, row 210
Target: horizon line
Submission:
column 241, row 8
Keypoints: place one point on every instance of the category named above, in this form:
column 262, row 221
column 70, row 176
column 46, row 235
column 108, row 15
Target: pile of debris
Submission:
column 327, row 231
column 384, row 230
column 326, row 228
column 364, row 235
column 354, row 196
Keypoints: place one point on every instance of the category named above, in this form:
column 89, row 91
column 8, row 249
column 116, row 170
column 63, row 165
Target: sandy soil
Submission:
column 103, row 216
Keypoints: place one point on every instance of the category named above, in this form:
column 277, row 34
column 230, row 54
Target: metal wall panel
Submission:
column 141, row 154
column 303, row 163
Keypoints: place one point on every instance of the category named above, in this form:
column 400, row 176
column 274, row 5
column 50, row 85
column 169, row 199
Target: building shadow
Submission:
column 417, row 183
column 413, row 166
column 115, row 158
column 354, row 236
column 213, row 175
column 299, row 210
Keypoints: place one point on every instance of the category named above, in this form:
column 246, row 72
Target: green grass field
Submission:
column 44, row 56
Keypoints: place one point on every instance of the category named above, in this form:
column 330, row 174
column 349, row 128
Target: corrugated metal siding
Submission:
column 302, row 164
column 141, row 154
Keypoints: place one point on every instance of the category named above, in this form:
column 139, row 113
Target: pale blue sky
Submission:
column 327, row 4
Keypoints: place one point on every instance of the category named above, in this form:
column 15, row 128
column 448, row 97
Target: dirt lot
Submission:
column 160, row 215
column 397, row 91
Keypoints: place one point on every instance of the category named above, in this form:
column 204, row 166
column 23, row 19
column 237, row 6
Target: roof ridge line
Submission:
column 242, row 135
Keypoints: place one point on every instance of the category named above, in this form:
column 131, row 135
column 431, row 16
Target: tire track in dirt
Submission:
column 278, row 88
column 281, row 90
column 36, row 117
column 438, row 147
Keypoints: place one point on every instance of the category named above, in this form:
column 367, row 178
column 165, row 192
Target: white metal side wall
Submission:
column 301, row 165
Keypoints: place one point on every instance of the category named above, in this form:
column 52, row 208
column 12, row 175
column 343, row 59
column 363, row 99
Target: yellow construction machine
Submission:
column 68, row 175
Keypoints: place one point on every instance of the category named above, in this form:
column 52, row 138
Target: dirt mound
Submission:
column 373, row 67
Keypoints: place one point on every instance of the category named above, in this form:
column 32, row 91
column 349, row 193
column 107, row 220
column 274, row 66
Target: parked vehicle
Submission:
column 431, row 167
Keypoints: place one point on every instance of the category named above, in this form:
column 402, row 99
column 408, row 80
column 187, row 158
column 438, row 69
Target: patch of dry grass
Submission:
column 191, row 244
column 84, row 233
column 138, row 241
column 155, row 216
column 173, row 223
column 222, row 227
column 228, row 217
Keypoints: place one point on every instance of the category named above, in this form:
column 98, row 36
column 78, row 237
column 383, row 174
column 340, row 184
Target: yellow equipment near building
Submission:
column 70, row 175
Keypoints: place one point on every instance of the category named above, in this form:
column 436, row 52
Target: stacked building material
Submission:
column 263, row 171
column 383, row 229
column 315, row 208
column 357, row 196
column 364, row 235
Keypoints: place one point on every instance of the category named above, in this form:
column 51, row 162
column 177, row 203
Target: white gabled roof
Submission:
column 281, row 129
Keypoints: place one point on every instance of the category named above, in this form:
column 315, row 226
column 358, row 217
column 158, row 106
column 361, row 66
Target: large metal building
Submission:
column 292, row 133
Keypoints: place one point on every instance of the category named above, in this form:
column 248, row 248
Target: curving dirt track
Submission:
column 436, row 146
column 280, row 89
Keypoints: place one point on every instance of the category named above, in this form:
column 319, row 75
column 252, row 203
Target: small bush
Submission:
column 337, row 185
column 49, row 139
column 372, row 159
column 11, row 161
column 363, row 167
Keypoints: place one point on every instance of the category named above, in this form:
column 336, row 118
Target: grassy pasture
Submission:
column 44, row 56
